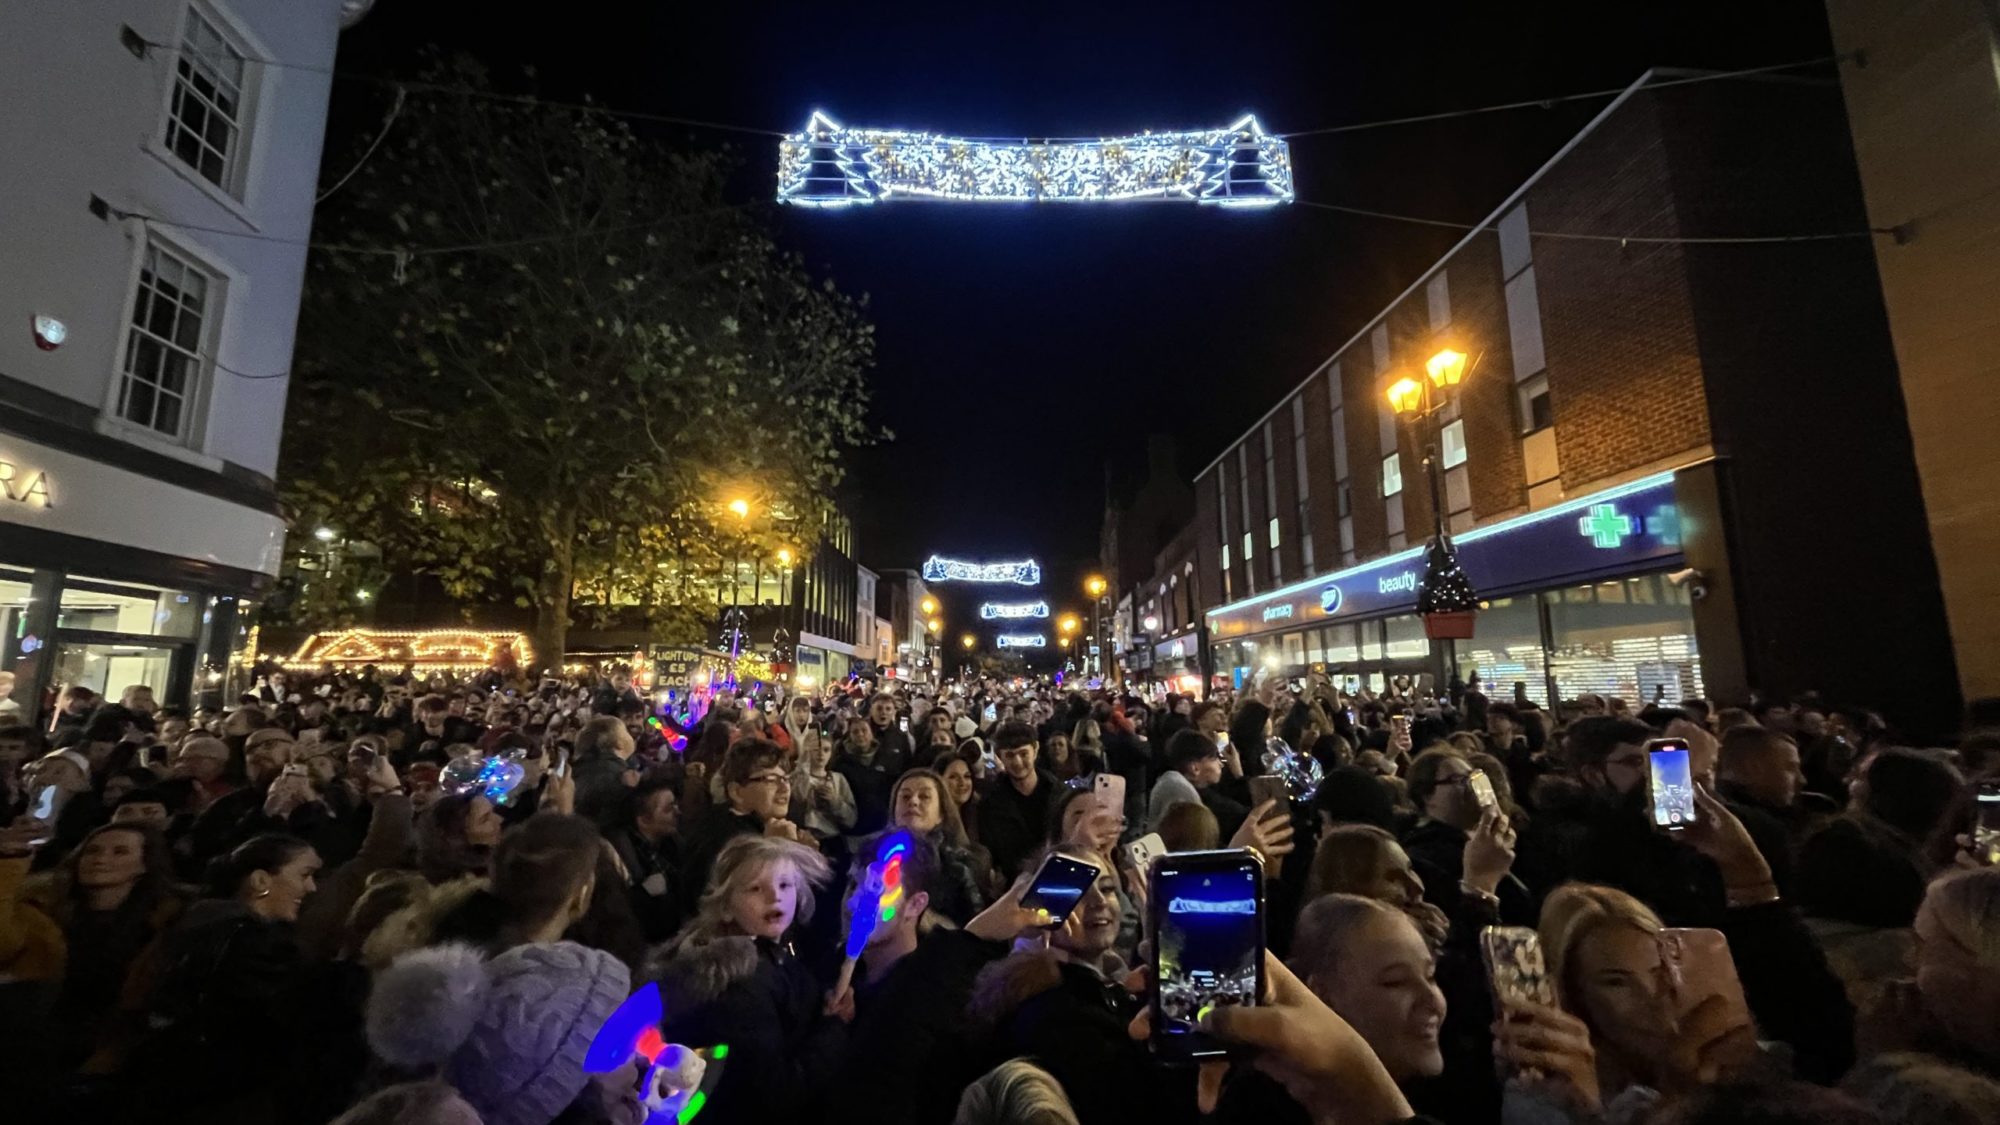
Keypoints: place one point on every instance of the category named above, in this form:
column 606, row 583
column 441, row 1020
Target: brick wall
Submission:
column 1624, row 369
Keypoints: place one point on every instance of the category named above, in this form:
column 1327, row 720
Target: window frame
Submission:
column 234, row 184
column 215, row 307
column 1392, row 466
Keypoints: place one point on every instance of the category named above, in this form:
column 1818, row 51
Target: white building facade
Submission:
column 166, row 155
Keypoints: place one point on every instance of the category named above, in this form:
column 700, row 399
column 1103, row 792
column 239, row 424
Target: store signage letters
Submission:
column 1275, row 612
column 24, row 485
column 1393, row 583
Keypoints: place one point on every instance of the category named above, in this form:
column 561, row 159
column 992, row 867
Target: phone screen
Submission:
column 991, row 712
column 46, row 804
column 1208, row 922
column 1482, row 789
column 1058, row 886
column 1986, row 830
column 903, row 724
column 1673, row 783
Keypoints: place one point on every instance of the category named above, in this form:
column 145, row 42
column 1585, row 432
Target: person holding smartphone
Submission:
column 1065, row 1006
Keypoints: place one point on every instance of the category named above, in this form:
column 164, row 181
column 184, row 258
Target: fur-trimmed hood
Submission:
column 694, row 971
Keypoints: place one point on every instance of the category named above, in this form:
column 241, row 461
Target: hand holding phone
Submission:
column 1108, row 791
column 1207, row 913
column 1058, row 887
column 1671, row 775
column 1986, row 828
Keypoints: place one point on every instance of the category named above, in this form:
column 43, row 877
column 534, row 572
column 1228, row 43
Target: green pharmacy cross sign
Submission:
column 1605, row 526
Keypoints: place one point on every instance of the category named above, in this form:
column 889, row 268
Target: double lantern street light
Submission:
column 741, row 507
column 1095, row 586
column 1445, row 597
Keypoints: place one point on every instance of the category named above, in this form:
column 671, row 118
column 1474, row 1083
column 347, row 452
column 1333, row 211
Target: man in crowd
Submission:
column 1014, row 812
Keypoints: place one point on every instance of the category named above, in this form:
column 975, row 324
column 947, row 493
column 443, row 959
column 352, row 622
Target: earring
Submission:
column 262, row 893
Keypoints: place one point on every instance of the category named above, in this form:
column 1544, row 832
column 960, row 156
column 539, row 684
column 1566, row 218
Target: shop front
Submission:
column 112, row 578
column 1578, row 598
column 1177, row 661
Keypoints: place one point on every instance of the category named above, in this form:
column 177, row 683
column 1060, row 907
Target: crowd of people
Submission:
column 376, row 897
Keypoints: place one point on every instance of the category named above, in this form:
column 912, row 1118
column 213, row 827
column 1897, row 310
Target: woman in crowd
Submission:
column 1369, row 963
column 1057, row 758
column 456, row 837
column 956, row 771
column 1951, row 1008
column 88, row 924
column 731, row 978
column 226, row 1013
column 1086, row 742
column 921, row 804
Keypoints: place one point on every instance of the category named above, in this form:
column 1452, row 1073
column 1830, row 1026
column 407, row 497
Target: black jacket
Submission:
column 1437, row 852
column 1072, row 1022
column 716, row 826
column 763, row 1002
column 911, row 1023
column 1013, row 826
column 653, row 873
column 872, row 781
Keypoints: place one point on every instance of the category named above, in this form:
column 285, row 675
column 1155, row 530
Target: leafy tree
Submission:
column 549, row 357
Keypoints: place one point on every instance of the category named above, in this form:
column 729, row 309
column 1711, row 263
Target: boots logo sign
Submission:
column 22, row 484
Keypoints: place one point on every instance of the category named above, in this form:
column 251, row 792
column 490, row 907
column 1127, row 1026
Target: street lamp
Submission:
column 1095, row 585
column 930, row 606
column 741, row 507
column 1446, row 597
column 1068, row 624
column 968, row 641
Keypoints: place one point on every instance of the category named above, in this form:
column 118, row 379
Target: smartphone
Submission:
column 1208, row 945
column 1700, row 967
column 1515, row 966
column 1141, row 852
column 1058, row 886
column 562, row 764
column 47, row 801
column 1672, row 783
column 1270, row 787
column 1108, row 790
column 1986, row 829
column 903, row 724
column 992, row 713
column 1400, row 724
column 1482, row 790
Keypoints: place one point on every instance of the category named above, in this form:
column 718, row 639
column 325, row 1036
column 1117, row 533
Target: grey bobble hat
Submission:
column 510, row 1033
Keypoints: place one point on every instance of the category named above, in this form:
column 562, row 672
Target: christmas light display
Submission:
column 832, row 165
column 1028, row 572
column 431, row 650
column 1013, row 611
column 1445, row 596
column 1022, row 640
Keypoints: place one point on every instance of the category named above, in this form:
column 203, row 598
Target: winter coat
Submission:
column 1012, row 826
column 716, row 826
column 826, row 819
column 1071, row 1022
column 391, row 835
column 601, row 785
column 911, row 1022
column 653, row 873
column 755, row 996
column 31, row 944
column 871, row 781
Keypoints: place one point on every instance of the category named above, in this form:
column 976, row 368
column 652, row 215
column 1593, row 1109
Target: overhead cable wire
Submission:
column 1585, row 236
column 1558, row 99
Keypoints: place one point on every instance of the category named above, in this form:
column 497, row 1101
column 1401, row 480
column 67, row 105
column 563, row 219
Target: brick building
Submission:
column 1925, row 113
column 1675, row 467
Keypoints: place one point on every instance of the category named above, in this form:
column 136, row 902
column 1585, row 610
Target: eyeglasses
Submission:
column 772, row 778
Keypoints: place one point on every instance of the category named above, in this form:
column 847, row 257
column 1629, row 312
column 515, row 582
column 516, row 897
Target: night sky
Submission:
column 1021, row 347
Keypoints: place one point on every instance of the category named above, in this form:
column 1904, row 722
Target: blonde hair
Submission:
column 1966, row 905
column 1189, row 826
column 1326, row 928
column 1016, row 1092
column 1575, row 911
column 1347, row 860
column 742, row 860
column 1086, row 733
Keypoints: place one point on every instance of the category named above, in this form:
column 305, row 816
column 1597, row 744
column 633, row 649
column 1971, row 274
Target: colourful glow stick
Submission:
column 880, row 896
column 634, row 1029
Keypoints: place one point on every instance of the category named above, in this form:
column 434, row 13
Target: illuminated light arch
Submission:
column 424, row 650
column 831, row 165
column 1022, row 640
column 1012, row 611
column 1027, row 572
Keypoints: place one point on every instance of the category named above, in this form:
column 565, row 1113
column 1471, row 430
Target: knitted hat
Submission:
column 964, row 728
column 510, row 1033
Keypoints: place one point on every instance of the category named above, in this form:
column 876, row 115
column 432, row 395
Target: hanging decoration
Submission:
column 1012, row 611
column 1022, row 640
column 1445, row 596
column 828, row 164
column 1027, row 572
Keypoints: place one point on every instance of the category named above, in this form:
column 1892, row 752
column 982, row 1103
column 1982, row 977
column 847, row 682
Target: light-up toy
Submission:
column 492, row 778
column 875, row 904
column 678, row 1079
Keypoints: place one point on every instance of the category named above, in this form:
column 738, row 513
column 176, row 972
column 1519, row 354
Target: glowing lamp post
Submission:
column 1445, row 596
